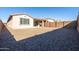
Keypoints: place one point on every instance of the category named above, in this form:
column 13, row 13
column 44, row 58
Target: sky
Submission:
column 57, row 13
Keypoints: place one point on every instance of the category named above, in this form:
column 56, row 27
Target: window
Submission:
column 24, row 21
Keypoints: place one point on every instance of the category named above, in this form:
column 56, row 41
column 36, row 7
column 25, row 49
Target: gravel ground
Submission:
column 58, row 40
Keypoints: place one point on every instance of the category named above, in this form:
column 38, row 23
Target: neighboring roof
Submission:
column 20, row 14
column 17, row 15
column 50, row 19
column 45, row 19
column 39, row 19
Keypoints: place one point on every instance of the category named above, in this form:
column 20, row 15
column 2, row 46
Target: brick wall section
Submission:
column 2, row 26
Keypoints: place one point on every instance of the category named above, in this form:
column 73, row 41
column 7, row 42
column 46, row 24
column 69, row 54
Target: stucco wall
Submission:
column 9, row 24
column 15, row 23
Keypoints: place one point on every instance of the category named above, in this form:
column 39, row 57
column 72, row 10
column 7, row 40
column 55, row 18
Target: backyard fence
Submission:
column 58, row 24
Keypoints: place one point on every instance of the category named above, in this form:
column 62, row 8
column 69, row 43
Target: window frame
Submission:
column 24, row 22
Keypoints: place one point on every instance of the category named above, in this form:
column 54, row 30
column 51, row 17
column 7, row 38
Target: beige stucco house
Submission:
column 21, row 21
column 18, row 21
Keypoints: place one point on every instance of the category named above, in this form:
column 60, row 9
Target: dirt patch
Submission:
column 20, row 34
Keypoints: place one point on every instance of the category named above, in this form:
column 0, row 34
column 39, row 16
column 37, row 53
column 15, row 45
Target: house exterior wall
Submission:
column 50, row 23
column 15, row 22
column 9, row 24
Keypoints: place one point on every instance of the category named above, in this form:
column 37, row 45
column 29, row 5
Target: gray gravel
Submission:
column 58, row 40
column 63, row 39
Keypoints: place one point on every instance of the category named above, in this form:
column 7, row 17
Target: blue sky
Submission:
column 57, row 13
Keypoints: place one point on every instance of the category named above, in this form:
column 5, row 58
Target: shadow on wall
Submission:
column 63, row 39
column 72, row 25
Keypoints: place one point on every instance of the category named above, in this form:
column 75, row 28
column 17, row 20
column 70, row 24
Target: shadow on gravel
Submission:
column 63, row 39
